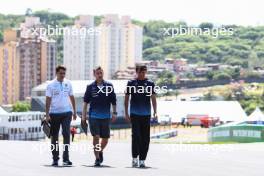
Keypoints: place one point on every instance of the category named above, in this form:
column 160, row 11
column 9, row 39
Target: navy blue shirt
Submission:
column 100, row 98
column 140, row 91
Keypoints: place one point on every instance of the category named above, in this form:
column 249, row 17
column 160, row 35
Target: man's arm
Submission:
column 73, row 106
column 154, row 104
column 86, row 101
column 114, row 108
column 126, row 107
column 114, row 115
column 113, row 102
column 84, row 111
column 72, row 102
column 48, row 102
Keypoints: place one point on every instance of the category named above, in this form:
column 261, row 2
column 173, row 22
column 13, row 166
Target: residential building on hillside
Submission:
column 120, row 43
column 27, row 59
column 80, row 53
column 9, row 68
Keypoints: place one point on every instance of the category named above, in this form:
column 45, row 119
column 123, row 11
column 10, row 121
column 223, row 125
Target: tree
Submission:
column 166, row 78
column 235, row 73
column 154, row 53
column 221, row 76
column 1, row 36
column 148, row 42
column 209, row 96
column 21, row 107
column 210, row 75
column 29, row 12
column 206, row 25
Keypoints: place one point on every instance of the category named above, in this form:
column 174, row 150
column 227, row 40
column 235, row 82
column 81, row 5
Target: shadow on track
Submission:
column 59, row 166
column 102, row 166
column 147, row 167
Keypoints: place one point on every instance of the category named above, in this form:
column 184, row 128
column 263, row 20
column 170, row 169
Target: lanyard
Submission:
column 61, row 86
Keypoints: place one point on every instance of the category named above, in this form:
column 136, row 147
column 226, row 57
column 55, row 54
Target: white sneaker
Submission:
column 135, row 162
column 142, row 163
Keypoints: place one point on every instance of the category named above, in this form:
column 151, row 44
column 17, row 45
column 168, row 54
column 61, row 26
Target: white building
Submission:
column 80, row 48
column 120, row 44
column 115, row 44
column 21, row 125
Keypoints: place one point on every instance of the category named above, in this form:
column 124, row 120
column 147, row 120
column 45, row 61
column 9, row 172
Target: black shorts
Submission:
column 100, row 127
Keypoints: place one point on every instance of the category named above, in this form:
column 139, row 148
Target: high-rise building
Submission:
column 37, row 57
column 26, row 60
column 120, row 44
column 48, row 58
column 37, row 63
column 80, row 49
column 9, row 68
column 28, row 27
column 115, row 45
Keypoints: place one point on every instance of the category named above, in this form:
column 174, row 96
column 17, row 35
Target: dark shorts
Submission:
column 100, row 127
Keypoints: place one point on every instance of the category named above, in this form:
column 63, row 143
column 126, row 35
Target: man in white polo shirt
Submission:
column 60, row 109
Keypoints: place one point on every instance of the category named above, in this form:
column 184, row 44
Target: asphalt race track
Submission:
column 19, row 158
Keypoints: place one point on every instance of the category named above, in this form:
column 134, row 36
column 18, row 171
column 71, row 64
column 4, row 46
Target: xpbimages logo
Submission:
column 148, row 90
column 62, row 31
column 183, row 30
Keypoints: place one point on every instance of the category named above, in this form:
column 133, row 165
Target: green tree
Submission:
column 209, row 96
column 166, row 78
column 210, row 75
column 21, row 107
column 206, row 25
column 221, row 76
column 1, row 36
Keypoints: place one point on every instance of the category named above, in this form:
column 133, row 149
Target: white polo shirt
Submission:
column 59, row 93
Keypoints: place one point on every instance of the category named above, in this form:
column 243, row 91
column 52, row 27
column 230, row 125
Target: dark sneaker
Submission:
column 142, row 164
column 54, row 163
column 67, row 163
column 101, row 157
column 97, row 163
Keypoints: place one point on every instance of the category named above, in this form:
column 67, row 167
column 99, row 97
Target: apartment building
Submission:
column 120, row 43
column 115, row 45
column 80, row 48
column 26, row 60
column 9, row 68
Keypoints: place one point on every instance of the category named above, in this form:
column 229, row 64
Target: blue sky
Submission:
column 244, row 12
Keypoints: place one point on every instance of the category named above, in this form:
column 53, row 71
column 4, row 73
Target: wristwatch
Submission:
column 115, row 113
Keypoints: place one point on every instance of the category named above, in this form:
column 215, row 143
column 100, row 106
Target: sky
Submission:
column 240, row 12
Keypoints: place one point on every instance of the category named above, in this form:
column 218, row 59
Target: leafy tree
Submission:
column 206, row 25
column 166, row 78
column 21, row 107
column 1, row 36
column 210, row 75
column 221, row 75
column 209, row 96
column 28, row 12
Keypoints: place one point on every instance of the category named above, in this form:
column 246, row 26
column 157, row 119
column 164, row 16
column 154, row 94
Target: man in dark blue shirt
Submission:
column 141, row 91
column 100, row 96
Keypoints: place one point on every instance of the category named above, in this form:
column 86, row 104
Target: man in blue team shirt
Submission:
column 60, row 109
column 99, row 95
column 141, row 91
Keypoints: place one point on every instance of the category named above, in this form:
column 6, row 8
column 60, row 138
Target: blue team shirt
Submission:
column 100, row 98
column 140, row 91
